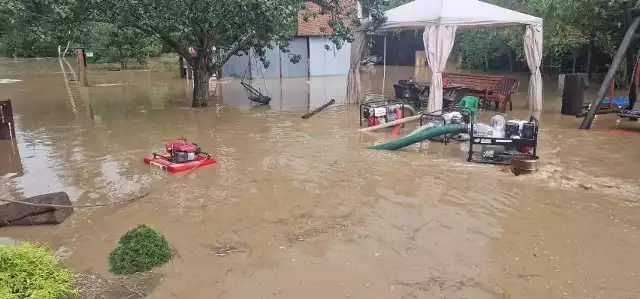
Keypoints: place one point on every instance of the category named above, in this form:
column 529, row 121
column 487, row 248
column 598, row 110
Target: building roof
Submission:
column 319, row 25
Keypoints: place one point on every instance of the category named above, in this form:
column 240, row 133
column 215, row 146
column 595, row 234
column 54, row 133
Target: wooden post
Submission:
column 183, row 72
column 10, row 158
column 612, row 92
column 219, row 72
column 7, row 128
column 82, row 66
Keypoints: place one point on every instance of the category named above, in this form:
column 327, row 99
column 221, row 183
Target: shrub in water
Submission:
column 140, row 249
column 29, row 270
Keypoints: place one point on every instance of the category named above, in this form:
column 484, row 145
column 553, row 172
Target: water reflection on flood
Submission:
column 315, row 214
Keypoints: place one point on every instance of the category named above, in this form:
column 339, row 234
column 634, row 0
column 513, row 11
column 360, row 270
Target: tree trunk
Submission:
column 575, row 61
column 510, row 56
column 589, row 58
column 201, row 77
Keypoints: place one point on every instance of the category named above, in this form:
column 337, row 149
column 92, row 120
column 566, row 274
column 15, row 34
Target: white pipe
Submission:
column 391, row 123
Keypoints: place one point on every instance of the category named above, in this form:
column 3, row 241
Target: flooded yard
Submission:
column 301, row 209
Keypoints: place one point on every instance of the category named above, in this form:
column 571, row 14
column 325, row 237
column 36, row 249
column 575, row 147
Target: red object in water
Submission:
column 373, row 121
column 396, row 129
column 525, row 149
column 180, row 145
column 165, row 163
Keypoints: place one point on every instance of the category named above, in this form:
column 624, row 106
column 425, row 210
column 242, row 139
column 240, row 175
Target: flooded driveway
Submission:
column 307, row 210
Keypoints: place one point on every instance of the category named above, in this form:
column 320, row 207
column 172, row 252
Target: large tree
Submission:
column 219, row 29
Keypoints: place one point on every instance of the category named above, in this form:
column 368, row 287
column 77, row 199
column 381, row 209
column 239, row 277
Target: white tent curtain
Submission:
column 438, row 42
column 533, row 51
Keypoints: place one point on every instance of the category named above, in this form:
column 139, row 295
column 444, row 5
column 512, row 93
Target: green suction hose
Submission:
column 421, row 135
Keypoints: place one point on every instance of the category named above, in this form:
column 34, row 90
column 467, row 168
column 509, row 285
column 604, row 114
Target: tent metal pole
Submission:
column 630, row 58
column 384, row 63
column 615, row 64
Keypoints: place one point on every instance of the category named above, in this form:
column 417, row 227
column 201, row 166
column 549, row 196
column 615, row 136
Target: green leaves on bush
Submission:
column 29, row 270
column 140, row 249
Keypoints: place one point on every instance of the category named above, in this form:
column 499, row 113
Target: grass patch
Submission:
column 140, row 250
column 30, row 270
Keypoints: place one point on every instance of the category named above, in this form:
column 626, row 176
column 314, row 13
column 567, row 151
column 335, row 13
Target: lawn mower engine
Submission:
column 182, row 151
column 380, row 113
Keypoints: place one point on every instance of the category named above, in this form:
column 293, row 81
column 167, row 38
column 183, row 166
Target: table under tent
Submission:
column 440, row 19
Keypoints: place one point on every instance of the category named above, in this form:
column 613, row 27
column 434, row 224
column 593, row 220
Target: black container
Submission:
column 512, row 129
column 528, row 130
column 573, row 94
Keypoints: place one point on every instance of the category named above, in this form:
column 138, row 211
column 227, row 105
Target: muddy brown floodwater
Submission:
column 300, row 209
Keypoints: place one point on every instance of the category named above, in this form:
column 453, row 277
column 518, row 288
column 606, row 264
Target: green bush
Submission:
column 30, row 270
column 140, row 249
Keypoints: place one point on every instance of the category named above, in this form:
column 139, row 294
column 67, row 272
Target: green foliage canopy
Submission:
column 113, row 44
column 35, row 27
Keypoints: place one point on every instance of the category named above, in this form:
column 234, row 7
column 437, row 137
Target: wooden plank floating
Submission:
column 314, row 112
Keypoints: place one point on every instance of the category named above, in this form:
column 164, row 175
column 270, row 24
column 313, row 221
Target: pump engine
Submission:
column 380, row 113
column 182, row 151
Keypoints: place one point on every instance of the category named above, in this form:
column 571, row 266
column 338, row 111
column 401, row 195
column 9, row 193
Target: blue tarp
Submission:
column 617, row 101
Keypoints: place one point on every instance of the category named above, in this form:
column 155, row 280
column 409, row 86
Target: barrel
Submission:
column 573, row 94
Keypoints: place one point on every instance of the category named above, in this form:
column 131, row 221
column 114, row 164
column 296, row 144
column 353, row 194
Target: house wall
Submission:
column 319, row 61
column 327, row 63
column 323, row 89
column 280, row 63
column 300, row 69
column 236, row 66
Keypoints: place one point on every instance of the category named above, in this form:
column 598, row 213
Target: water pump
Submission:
column 182, row 151
column 375, row 113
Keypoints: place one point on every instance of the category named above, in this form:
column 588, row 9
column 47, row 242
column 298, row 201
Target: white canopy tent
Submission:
column 441, row 18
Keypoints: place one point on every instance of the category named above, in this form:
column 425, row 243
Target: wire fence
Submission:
column 49, row 65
